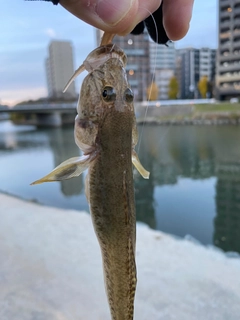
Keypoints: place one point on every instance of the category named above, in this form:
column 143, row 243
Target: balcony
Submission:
column 225, row 6
column 225, row 22
column 225, row 43
column 225, row 35
column 224, row 3
column 225, row 14
column 236, row 44
column 229, row 57
column 228, row 91
column 228, row 79
column 236, row 11
column 229, row 68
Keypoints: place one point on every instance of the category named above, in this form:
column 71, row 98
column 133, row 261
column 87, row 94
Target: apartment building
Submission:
column 188, row 72
column 162, row 66
column 228, row 56
column 207, row 63
column 59, row 69
column 191, row 65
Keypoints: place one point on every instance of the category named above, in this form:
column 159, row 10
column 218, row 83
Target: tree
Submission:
column 152, row 92
column 203, row 86
column 173, row 88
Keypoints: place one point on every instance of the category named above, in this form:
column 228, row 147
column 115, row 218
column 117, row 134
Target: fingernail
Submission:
column 113, row 11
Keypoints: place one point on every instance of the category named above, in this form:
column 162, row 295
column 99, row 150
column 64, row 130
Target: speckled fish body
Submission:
column 105, row 130
column 110, row 186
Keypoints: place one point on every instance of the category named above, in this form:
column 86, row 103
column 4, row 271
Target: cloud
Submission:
column 50, row 32
column 11, row 97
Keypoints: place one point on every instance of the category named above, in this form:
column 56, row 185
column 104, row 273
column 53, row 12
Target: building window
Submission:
column 133, row 82
column 237, row 39
column 225, row 41
column 135, row 52
column 225, row 53
column 225, row 19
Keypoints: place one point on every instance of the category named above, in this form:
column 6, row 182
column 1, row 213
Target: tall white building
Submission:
column 162, row 79
column 162, row 57
column 162, row 66
column 59, row 69
column 207, row 60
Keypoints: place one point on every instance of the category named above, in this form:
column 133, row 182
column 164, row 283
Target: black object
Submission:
column 53, row 1
column 154, row 25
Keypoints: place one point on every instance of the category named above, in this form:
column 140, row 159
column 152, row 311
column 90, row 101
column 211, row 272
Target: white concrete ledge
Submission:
column 50, row 269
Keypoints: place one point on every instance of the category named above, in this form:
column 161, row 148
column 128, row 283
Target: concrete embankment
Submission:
column 50, row 269
column 189, row 115
column 198, row 120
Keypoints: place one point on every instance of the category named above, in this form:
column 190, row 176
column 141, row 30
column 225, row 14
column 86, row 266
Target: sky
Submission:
column 27, row 27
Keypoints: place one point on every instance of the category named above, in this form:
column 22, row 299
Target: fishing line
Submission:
column 151, row 86
column 150, row 91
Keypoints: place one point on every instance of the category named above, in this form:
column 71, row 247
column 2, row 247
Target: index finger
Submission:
column 176, row 17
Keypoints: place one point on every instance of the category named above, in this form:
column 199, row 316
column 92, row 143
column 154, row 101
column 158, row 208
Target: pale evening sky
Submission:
column 27, row 27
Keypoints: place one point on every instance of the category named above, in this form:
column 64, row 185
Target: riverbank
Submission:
column 51, row 269
column 214, row 119
column 207, row 114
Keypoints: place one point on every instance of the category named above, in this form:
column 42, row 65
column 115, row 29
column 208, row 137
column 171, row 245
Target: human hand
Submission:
column 121, row 16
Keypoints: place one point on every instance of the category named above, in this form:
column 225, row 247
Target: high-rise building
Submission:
column 228, row 58
column 162, row 66
column 162, row 56
column 162, row 79
column 207, row 63
column 59, row 69
column 188, row 72
column 138, row 63
column 191, row 65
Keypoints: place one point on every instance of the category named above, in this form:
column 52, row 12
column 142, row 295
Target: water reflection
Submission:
column 199, row 153
column 227, row 221
column 10, row 136
column 34, row 154
column 63, row 147
column 144, row 190
column 194, row 186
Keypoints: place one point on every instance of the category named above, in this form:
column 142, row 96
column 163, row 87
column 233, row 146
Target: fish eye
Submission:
column 128, row 94
column 109, row 94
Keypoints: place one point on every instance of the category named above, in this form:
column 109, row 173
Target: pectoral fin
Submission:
column 70, row 168
column 135, row 160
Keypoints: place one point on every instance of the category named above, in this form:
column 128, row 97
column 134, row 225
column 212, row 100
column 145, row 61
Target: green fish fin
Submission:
column 135, row 160
column 68, row 169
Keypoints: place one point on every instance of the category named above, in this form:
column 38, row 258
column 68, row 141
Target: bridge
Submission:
column 44, row 114
column 41, row 108
column 58, row 114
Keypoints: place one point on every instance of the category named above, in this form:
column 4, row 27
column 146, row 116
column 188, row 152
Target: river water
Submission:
column 194, row 185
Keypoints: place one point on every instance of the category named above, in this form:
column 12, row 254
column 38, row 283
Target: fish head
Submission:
column 105, row 88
